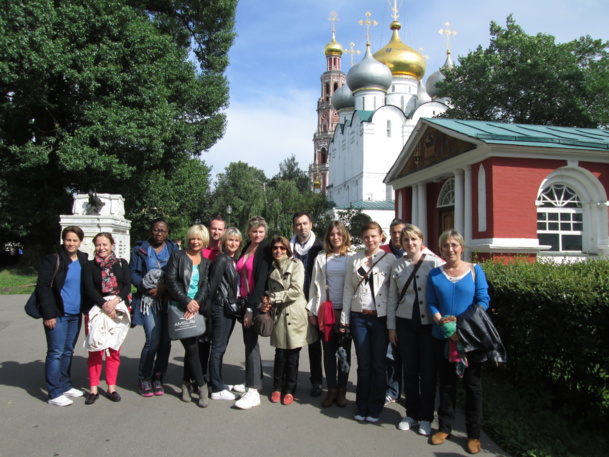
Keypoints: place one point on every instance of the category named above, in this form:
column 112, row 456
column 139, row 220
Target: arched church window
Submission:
column 324, row 156
column 388, row 129
column 560, row 218
column 447, row 194
column 402, row 103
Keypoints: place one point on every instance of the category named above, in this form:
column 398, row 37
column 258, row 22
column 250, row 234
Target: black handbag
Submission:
column 235, row 307
column 31, row 306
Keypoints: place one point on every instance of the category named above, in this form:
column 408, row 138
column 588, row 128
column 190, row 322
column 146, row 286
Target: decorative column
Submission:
column 422, row 207
column 414, row 212
column 459, row 210
column 467, row 222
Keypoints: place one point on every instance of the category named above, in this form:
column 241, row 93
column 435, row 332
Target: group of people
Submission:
column 316, row 293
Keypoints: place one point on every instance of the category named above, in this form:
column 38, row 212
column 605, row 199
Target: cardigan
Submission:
column 399, row 275
column 353, row 295
column 91, row 275
column 317, row 290
column 453, row 298
column 50, row 302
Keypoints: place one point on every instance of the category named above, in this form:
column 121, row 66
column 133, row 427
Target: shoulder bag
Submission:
column 31, row 307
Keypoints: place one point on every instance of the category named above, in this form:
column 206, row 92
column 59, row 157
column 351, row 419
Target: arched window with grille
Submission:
column 560, row 218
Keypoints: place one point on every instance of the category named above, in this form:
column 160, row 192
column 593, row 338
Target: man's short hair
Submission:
column 396, row 222
column 299, row 215
column 217, row 218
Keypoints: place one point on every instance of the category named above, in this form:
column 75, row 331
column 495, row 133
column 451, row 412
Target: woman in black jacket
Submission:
column 253, row 267
column 187, row 283
column 58, row 294
column 106, row 276
column 223, row 289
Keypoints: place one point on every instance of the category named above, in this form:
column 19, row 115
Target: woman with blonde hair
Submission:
column 187, row 279
column 223, row 292
column 364, row 310
column 327, row 284
column 409, row 327
column 253, row 267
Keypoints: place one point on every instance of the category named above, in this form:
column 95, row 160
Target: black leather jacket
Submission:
column 479, row 336
column 177, row 277
column 223, row 280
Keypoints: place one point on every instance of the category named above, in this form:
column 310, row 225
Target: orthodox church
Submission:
column 365, row 117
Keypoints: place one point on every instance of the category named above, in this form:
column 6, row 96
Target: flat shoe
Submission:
column 473, row 446
column 114, row 396
column 288, row 399
column 91, row 398
column 439, row 438
column 275, row 396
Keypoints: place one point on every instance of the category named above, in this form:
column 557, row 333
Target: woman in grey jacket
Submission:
column 409, row 325
column 187, row 277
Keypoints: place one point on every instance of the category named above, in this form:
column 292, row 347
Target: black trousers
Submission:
column 285, row 371
column 335, row 377
column 472, row 381
column 196, row 359
column 418, row 358
column 315, row 365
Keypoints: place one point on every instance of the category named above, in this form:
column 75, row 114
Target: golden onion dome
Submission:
column 333, row 48
column 401, row 59
column 317, row 184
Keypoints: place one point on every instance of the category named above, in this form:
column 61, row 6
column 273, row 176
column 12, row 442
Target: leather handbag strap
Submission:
column 368, row 272
column 411, row 277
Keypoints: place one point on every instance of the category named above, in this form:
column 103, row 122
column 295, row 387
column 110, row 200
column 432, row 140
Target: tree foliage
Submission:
column 529, row 79
column 249, row 193
column 104, row 96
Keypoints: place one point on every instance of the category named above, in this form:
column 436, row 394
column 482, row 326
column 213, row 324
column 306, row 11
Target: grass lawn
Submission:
column 13, row 281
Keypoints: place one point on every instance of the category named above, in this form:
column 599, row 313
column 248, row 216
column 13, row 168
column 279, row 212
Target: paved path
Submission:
column 165, row 426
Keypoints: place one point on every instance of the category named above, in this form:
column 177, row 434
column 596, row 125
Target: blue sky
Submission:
column 277, row 58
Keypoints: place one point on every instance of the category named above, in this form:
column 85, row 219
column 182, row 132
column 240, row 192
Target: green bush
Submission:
column 554, row 322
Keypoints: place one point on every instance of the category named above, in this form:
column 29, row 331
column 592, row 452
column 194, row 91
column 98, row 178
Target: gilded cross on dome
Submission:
column 368, row 23
column 352, row 51
column 421, row 51
column 394, row 10
column 448, row 32
column 334, row 17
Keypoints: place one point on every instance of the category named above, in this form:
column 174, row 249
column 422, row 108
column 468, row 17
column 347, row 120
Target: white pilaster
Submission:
column 422, row 208
column 459, row 209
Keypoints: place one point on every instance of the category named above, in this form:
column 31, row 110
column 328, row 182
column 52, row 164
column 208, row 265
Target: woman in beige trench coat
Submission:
column 291, row 331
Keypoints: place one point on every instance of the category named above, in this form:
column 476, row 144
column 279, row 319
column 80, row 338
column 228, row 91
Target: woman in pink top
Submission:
column 253, row 267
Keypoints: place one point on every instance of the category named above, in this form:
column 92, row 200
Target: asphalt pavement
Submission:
column 166, row 426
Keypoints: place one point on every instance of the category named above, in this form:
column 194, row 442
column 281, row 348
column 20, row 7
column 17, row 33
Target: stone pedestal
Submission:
column 107, row 216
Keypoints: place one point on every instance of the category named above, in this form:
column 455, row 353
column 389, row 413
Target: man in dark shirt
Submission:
column 305, row 247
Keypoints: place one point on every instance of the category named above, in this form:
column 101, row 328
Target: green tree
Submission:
column 529, row 79
column 289, row 170
column 104, row 96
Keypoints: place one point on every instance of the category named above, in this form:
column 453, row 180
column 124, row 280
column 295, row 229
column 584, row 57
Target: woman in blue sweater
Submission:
column 451, row 289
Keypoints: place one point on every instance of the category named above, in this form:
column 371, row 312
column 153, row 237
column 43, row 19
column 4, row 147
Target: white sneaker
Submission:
column 62, row 400
column 74, row 393
column 372, row 419
column 239, row 388
column 407, row 423
column 224, row 395
column 249, row 400
column 425, row 428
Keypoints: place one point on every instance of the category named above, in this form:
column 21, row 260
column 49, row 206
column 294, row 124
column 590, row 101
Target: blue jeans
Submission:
column 157, row 344
column 222, row 328
column 60, row 348
column 370, row 340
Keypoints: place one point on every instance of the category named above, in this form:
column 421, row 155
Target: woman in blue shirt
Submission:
column 58, row 293
column 451, row 289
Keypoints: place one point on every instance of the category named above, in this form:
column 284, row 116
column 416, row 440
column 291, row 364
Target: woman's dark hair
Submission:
column 105, row 235
column 75, row 230
column 372, row 226
column 284, row 242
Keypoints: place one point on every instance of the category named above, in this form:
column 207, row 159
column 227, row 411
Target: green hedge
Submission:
column 554, row 321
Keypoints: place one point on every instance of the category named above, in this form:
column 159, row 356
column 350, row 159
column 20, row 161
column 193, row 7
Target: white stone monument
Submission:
column 95, row 213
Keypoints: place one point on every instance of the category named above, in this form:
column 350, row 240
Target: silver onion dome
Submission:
column 343, row 98
column 437, row 76
column 369, row 74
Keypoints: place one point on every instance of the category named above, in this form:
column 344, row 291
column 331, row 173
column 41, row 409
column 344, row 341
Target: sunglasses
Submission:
column 283, row 248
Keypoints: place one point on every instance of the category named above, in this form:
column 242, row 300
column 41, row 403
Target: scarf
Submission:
column 398, row 253
column 150, row 281
column 302, row 249
column 109, row 283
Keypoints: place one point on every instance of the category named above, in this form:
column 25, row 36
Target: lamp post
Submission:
column 229, row 211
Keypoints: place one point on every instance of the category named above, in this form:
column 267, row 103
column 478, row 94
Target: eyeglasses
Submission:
column 158, row 231
column 283, row 248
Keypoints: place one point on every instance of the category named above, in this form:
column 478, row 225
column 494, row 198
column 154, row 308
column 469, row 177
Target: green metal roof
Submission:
column 365, row 116
column 368, row 204
column 528, row 135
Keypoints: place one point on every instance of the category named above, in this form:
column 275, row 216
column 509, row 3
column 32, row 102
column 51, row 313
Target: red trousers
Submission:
column 95, row 361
